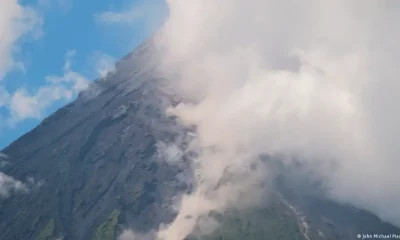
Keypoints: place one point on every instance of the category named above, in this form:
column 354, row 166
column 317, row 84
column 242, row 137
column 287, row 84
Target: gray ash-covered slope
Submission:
column 101, row 173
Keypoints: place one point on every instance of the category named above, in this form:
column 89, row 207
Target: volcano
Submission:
column 92, row 170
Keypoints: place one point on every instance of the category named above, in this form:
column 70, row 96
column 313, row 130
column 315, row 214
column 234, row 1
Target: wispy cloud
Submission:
column 4, row 96
column 9, row 185
column 24, row 104
column 16, row 21
column 140, row 18
column 64, row 5
column 76, row 81
column 139, row 11
column 3, row 158
column 102, row 63
column 33, row 184
column 133, row 15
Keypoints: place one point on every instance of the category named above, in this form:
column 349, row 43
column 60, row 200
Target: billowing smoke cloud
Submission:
column 131, row 235
column 312, row 79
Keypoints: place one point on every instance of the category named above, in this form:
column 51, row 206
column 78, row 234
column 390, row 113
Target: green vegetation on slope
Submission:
column 48, row 231
column 107, row 230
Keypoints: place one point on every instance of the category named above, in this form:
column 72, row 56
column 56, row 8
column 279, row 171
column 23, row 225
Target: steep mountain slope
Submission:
column 94, row 156
column 100, row 172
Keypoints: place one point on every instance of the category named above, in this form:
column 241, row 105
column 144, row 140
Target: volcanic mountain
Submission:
column 92, row 170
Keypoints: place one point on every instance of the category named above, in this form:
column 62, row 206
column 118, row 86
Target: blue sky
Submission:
column 51, row 49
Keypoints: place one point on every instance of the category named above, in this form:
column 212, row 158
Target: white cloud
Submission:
column 120, row 17
column 127, row 235
column 3, row 158
column 33, row 184
column 4, row 97
column 8, row 185
column 23, row 104
column 103, row 63
column 140, row 18
column 64, row 5
column 285, row 77
column 77, row 81
column 16, row 21
column 138, row 11
column 131, row 235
